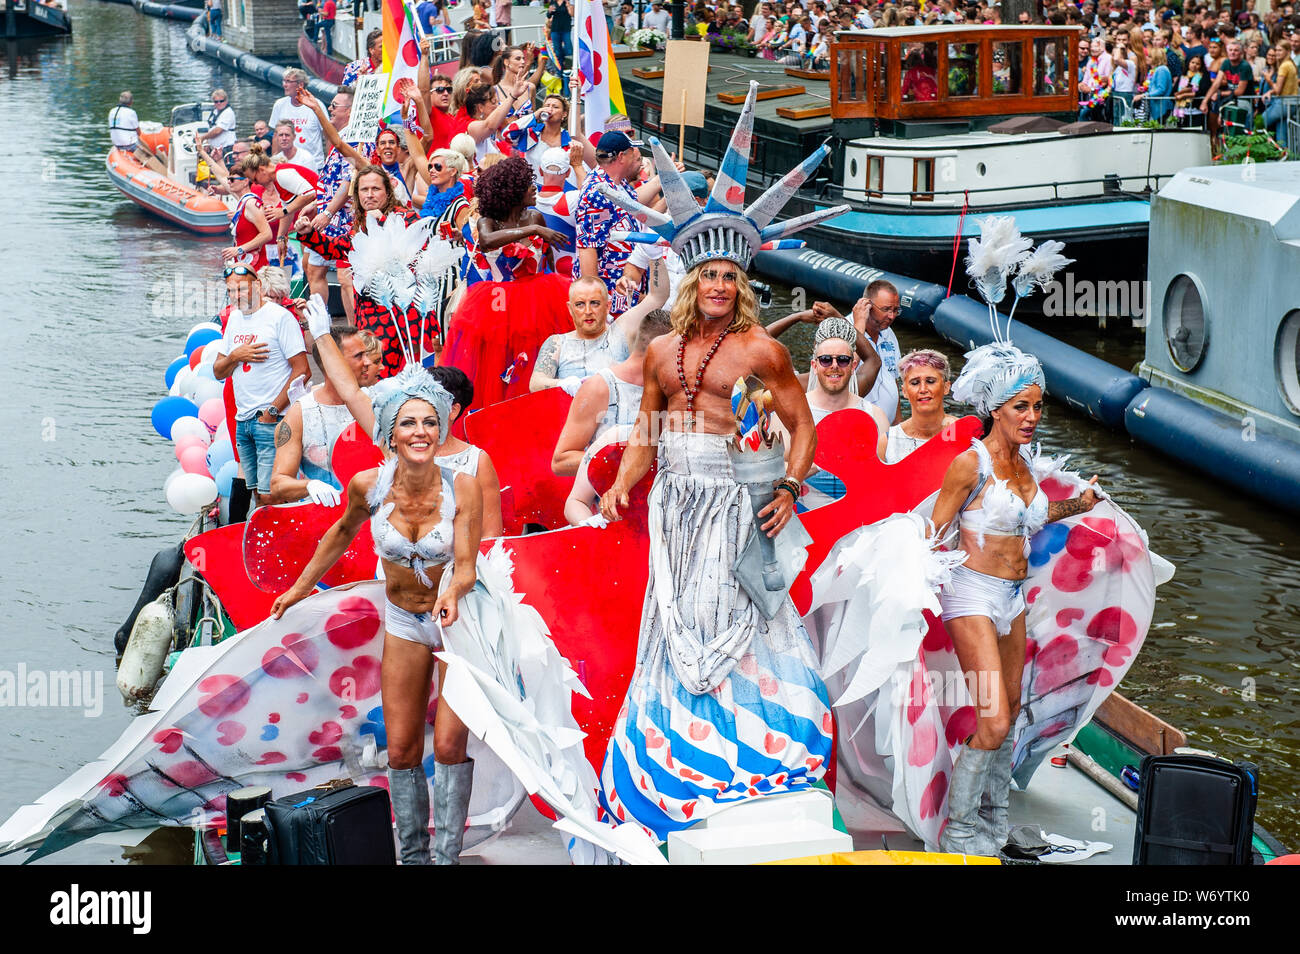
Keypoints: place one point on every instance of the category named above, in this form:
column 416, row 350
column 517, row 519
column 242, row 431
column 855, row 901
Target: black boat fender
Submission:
column 1086, row 383
column 164, row 572
column 825, row 276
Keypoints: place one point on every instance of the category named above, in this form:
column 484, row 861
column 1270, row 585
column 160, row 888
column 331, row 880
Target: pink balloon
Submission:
column 185, row 442
column 195, row 461
column 212, row 413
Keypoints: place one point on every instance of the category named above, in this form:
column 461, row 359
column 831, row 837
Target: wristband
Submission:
column 791, row 485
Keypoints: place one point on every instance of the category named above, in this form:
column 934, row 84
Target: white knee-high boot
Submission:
column 994, row 820
column 962, row 835
column 452, row 785
column 409, row 791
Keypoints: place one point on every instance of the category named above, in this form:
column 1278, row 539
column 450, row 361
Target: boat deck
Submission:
column 1059, row 801
column 780, row 143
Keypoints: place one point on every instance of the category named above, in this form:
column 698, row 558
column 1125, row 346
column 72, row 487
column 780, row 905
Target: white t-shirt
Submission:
column 630, row 22
column 305, row 124
column 884, row 393
column 660, row 20
column 225, row 121
column 301, row 157
column 258, row 384
column 759, row 24
column 123, row 127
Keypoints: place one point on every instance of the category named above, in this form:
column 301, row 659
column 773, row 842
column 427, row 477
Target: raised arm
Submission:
column 336, row 367
column 629, row 323
column 304, row 98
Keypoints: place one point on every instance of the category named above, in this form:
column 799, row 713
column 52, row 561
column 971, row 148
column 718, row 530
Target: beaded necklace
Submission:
column 690, row 392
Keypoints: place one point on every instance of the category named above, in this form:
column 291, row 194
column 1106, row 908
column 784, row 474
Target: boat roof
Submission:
column 1266, row 191
column 926, row 31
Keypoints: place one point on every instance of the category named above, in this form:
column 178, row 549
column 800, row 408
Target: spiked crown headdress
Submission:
column 725, row 227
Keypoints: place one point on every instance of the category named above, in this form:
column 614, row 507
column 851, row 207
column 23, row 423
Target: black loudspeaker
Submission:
column 1195, row 810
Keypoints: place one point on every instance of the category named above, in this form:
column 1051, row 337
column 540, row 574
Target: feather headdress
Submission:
column 412, row 383
column 995, row 255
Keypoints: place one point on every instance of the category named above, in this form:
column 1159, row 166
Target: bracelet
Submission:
column 789, row 484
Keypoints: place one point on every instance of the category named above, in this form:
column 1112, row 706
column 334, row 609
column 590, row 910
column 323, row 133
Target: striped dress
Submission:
column 724, row 705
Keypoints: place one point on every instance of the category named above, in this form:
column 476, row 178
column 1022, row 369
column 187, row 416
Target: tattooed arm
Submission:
column 286, row 485
column 1060, row 509
column 547, row 365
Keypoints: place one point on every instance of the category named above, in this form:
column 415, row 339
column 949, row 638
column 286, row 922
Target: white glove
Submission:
column 322, row 493
column 570, row 386
column 298, row 389
column 318, row 317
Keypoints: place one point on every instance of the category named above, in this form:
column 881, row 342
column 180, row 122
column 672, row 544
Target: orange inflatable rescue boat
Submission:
column 171, row 195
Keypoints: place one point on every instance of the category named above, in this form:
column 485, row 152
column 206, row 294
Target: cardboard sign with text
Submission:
column 686, row 68
column 367, row 109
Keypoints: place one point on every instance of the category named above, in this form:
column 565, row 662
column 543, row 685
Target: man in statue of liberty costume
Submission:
column 726, row 701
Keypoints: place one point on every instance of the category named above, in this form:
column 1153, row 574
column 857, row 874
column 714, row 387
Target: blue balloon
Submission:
column 198, row 338
column 224, row 477
column 204, row 371
column 167, row 411
column 174, row 369
column 219, row 454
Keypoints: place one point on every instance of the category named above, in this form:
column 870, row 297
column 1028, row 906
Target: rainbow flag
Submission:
column 401, row 51
column 602, row 93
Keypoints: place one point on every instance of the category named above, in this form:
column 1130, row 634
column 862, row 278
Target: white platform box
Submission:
column 752, row 844
column 814, row 805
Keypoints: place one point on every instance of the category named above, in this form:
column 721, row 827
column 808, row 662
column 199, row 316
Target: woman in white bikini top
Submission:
column 992, row 493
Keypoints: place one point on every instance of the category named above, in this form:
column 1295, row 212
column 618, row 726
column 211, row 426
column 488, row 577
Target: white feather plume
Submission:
column 1037, row 269
column 995, row 254
column 381, row 257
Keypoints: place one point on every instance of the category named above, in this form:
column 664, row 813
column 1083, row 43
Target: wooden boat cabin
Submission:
column 900, row 74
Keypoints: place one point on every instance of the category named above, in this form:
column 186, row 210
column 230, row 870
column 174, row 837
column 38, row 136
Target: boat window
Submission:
column 1287, row 355
column 852, row 69
column 875, row 175
column 920, row 69
column 963, row 69
column 1185, row 323
column 923, row 179
column 1051, row 66
column 882, row 74
column 1006, row 68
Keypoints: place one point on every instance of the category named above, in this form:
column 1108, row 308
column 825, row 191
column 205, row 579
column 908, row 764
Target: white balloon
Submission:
column 190, row 493
column 185, row 378
column 171, row 479
column 206, row 390
column 210, row 352
column 191, row 425
column 175, row 389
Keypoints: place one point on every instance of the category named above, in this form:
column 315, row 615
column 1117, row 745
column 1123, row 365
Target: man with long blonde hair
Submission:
column 727, row 678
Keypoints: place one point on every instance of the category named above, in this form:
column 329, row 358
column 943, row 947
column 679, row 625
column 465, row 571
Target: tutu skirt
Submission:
column 499, row 321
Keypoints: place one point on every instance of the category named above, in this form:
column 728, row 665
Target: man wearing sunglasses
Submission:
column 263, row 349
column 221, row 124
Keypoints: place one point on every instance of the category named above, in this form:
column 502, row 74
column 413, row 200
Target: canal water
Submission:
column 92, row 317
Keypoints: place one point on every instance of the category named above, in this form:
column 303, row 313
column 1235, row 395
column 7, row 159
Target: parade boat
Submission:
column 160, row 175
column 933, row 127
column 1212, row 318
column 35, row 19
column 190, row 745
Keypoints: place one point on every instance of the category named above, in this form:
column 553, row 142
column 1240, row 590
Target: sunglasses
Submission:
column 237, row 178
column 218, row 102
column 713, row 275
column 436, row 166
column 843, row 360
column 238, row 270
column 441, row 89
